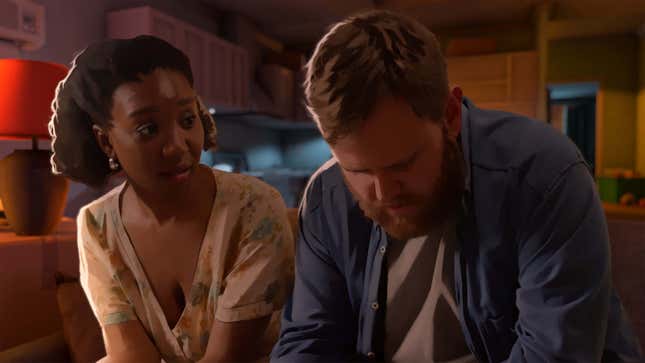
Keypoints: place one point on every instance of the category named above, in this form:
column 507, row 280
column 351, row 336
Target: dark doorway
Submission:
column 580, row 125
column 573, row 111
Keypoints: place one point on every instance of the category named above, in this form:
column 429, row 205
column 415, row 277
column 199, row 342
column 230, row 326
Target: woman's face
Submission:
column 156, row 134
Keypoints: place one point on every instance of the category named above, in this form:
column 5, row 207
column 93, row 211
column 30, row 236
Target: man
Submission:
column 440, row 232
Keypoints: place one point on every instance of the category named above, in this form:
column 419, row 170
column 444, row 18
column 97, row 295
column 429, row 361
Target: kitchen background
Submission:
column 536, row 58
column 577, row 64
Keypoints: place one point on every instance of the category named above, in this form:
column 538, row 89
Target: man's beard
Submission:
column 442, row 203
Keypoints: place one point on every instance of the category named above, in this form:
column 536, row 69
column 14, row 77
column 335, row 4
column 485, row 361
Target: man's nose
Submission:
column 386, row 187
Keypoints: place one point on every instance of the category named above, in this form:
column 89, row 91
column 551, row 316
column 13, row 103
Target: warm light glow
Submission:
column 28, row 88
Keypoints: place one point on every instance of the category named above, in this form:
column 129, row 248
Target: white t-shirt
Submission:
column 421, row 323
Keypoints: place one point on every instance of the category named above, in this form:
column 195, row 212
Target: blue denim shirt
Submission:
column 532, row 269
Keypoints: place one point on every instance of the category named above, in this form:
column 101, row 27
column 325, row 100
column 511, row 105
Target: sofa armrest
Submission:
column 50, row 348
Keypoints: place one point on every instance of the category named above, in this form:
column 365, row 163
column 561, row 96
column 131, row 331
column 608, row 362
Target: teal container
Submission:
column 611, row 189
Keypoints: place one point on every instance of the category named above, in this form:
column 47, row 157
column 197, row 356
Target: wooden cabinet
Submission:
column 503, row 81
column 220, row 68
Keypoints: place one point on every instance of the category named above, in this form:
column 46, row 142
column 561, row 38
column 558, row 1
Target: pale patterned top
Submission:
column 244, row 270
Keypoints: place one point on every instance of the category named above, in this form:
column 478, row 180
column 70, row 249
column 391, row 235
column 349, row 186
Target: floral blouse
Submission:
column 244, row 270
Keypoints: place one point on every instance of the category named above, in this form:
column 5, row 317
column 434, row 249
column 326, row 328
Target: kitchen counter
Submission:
column 617, row 211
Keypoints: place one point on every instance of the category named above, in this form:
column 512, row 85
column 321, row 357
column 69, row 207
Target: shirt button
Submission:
column 382, row 250
column 374, row 306
column 371, row 355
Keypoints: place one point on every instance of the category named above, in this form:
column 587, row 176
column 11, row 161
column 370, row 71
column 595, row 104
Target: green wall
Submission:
column 612, row 61
column 640, row 110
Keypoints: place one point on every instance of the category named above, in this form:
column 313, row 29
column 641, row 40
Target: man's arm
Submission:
column 564, row 276
column 229, row 342
column 318, row 324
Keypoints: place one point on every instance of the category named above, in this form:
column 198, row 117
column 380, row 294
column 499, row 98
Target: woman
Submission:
column 181, row 262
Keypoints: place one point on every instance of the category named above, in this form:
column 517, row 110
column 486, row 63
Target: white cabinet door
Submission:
column 241, row 83
column 195, row 48
column 167, row 29
column 221, row 72
column 220, row 68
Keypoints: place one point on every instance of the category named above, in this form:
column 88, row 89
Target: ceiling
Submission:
column 300, row 22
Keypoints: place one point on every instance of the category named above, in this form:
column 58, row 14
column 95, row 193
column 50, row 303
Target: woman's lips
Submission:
column 178, row 175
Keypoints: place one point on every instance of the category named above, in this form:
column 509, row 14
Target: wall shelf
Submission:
column 266, row 121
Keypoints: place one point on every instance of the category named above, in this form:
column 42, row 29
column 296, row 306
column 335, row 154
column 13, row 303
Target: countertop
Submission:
column 617, row 211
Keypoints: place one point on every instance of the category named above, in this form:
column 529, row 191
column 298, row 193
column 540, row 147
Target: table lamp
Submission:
column 33, row 197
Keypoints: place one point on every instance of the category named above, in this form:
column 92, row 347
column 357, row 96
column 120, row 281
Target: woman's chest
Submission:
column 170, row 261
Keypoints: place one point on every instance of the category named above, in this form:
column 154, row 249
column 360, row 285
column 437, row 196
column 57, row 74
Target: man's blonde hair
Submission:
column 368, row 56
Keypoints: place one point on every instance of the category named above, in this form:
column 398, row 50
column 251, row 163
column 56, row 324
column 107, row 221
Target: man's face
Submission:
column 406, row 172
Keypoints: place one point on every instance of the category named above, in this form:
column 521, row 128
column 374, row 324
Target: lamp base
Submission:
column 33, row 198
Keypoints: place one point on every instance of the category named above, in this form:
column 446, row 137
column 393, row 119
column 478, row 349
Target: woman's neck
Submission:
column 162, row 206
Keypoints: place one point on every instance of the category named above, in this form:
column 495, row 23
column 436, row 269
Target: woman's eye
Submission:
column 146, row 130
column 188, row 121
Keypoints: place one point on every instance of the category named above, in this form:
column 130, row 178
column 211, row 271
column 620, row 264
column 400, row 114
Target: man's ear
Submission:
column 103, row 139
column 453, row 113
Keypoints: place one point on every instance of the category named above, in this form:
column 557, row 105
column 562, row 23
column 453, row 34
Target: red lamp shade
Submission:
column 33, row 197
column 28, row 88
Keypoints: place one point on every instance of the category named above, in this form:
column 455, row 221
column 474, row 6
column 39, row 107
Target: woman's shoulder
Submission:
column 104, row 202
column 92, row 216
column 245, row 189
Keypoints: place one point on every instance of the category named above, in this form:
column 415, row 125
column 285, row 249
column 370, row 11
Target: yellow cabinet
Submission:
column 502, row 81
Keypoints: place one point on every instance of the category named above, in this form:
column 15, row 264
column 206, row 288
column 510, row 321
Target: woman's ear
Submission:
column 103, row 139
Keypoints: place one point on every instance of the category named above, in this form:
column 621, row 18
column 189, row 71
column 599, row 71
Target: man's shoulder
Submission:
column 327, row 201
column 321, row 184
column 502, row 141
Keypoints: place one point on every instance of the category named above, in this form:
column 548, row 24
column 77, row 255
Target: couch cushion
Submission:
column 80, row 328
column 27, row 286
column 50, row 349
